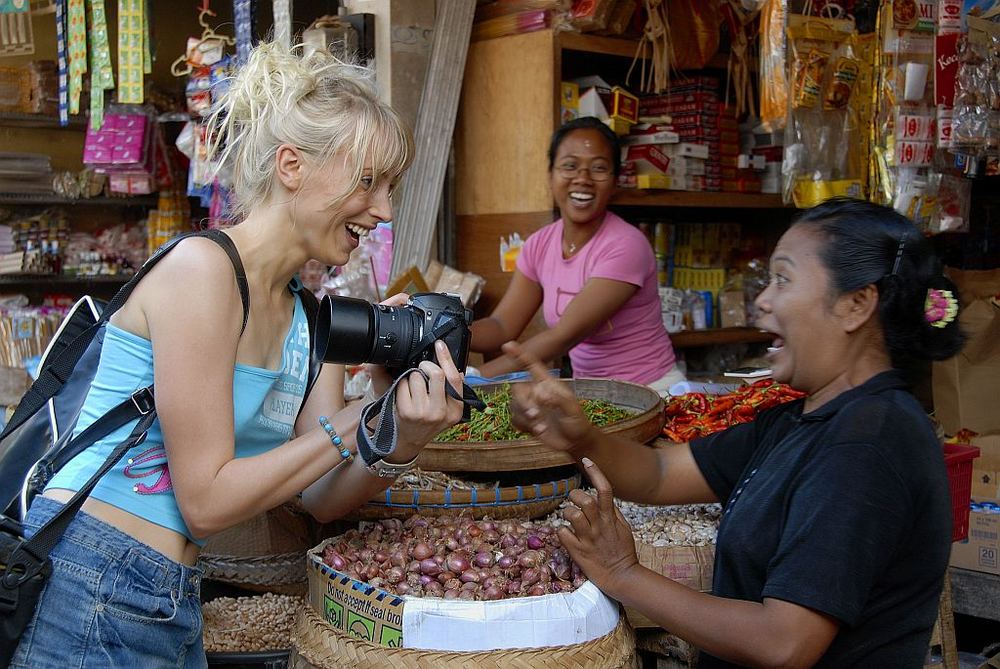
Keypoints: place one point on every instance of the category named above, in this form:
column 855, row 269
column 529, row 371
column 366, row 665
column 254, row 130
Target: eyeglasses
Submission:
column 598, row 172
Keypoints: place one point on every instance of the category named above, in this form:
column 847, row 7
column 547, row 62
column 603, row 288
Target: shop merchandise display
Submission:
column 806, row 100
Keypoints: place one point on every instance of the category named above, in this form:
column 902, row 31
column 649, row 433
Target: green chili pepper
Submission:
column 494, row 424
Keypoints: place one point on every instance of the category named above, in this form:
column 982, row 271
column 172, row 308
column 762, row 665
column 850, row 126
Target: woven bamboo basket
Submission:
column 264, row 554
column 524, row 454
column 515, row 501
column 317, row 645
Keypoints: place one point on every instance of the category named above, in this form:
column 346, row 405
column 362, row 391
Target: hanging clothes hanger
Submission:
column 210, row 41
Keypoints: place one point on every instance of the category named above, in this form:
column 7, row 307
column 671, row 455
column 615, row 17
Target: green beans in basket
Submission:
column 493, row 423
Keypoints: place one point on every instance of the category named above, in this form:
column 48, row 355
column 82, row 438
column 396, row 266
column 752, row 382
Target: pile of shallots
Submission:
column 456, row 558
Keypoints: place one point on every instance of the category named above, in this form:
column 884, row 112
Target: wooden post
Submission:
column 413, row 228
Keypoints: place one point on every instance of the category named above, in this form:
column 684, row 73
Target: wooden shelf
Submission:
column 60, row 280
column 621, row 47
column 718, row 336
column 608, row 46
column 47, row 199
column 18, row 120
column 634, row 197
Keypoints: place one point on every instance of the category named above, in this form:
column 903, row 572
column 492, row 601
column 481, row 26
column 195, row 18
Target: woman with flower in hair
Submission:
column 314, row 156
column 836, row 526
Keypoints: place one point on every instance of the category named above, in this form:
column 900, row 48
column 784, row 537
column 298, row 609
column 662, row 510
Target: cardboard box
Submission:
column 624, row 105
column 647, row 159
column 986, row 468
column 650, row 133
column 654, row 181
column 966, row 386
column 686, row 149
column 688, row 565
column 981, row 551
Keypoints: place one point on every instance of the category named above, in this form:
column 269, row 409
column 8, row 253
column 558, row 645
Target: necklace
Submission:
column 572, row 248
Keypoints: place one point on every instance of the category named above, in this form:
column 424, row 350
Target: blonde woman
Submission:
column 315, row 156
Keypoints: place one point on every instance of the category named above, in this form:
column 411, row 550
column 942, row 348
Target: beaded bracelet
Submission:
column 335, row 439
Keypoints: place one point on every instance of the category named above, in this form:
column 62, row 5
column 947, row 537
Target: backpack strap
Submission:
column 310, row 305
column 54, row 376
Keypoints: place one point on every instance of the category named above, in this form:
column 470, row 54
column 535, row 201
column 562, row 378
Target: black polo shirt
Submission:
column 844, row 510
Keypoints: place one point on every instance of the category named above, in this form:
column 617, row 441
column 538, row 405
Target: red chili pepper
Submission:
column 721, row 405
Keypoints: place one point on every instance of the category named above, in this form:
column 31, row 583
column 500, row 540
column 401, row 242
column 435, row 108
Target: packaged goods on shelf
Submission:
column 825, row 136
column 515, row 24
column 651, row 133
column 613, row 104
column 25, row 172
column 569, row 101
column 25, row 332
column 672, row 308
column 980, row 551
column 591, row 15
column 647, row 159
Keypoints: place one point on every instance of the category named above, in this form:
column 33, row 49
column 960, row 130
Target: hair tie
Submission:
column 899, row 254
column 940, row 307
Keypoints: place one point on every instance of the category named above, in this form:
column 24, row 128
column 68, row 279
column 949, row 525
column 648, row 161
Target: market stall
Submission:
column 723, row 120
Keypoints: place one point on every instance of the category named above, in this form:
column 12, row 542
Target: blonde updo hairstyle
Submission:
column 322, row 106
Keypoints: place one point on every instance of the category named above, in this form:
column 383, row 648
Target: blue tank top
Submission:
column 265, row 403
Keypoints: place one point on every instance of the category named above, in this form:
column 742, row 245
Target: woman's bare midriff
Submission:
column 171, row 544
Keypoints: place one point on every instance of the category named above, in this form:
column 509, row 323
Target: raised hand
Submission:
column 599, row 538
column 545, row 407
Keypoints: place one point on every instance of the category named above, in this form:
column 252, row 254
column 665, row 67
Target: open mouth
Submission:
column 581, row 198
column 777, row 344
column 356, row 231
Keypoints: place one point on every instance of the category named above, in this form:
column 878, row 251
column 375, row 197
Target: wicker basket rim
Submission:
column 415, row 497
column 638, row 419
column 281, row 569
column 317, row 641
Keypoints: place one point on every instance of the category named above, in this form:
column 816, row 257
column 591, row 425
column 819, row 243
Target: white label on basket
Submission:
column 524, row 622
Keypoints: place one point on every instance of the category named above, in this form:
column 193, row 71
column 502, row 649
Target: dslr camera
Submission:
column 352, row 331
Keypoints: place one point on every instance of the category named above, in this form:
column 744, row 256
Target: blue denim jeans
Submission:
column 111, row 602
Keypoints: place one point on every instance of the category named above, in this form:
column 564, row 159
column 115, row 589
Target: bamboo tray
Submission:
column 529, row 500
column 525, row 454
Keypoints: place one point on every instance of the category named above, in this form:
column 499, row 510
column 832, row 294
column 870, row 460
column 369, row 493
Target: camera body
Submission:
column 352, row 331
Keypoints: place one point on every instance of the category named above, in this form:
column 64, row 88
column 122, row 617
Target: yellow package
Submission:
column 845, row 75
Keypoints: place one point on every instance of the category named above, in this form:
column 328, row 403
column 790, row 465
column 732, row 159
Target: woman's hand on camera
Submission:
column 545, row 406
column 381, row 380
column 423, row 408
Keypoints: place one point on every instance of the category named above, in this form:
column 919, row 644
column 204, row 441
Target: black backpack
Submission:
column 37, row 442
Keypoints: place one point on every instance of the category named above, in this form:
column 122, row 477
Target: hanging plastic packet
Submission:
column 845, row 75
column 808, row 81
column 954, row 197
column 773, row 85
column 824, row 135
column 201, row 52
column 198, row 92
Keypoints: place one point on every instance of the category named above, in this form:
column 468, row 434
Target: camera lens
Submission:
column 345, row 330
column 351, row 331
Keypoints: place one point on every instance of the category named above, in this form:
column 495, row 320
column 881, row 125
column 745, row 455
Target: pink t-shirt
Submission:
column 633, row 345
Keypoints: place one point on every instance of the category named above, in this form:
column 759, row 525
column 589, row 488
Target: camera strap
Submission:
column 382, row 441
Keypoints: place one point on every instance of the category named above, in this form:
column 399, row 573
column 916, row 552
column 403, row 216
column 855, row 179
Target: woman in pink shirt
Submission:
column 593, row 274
